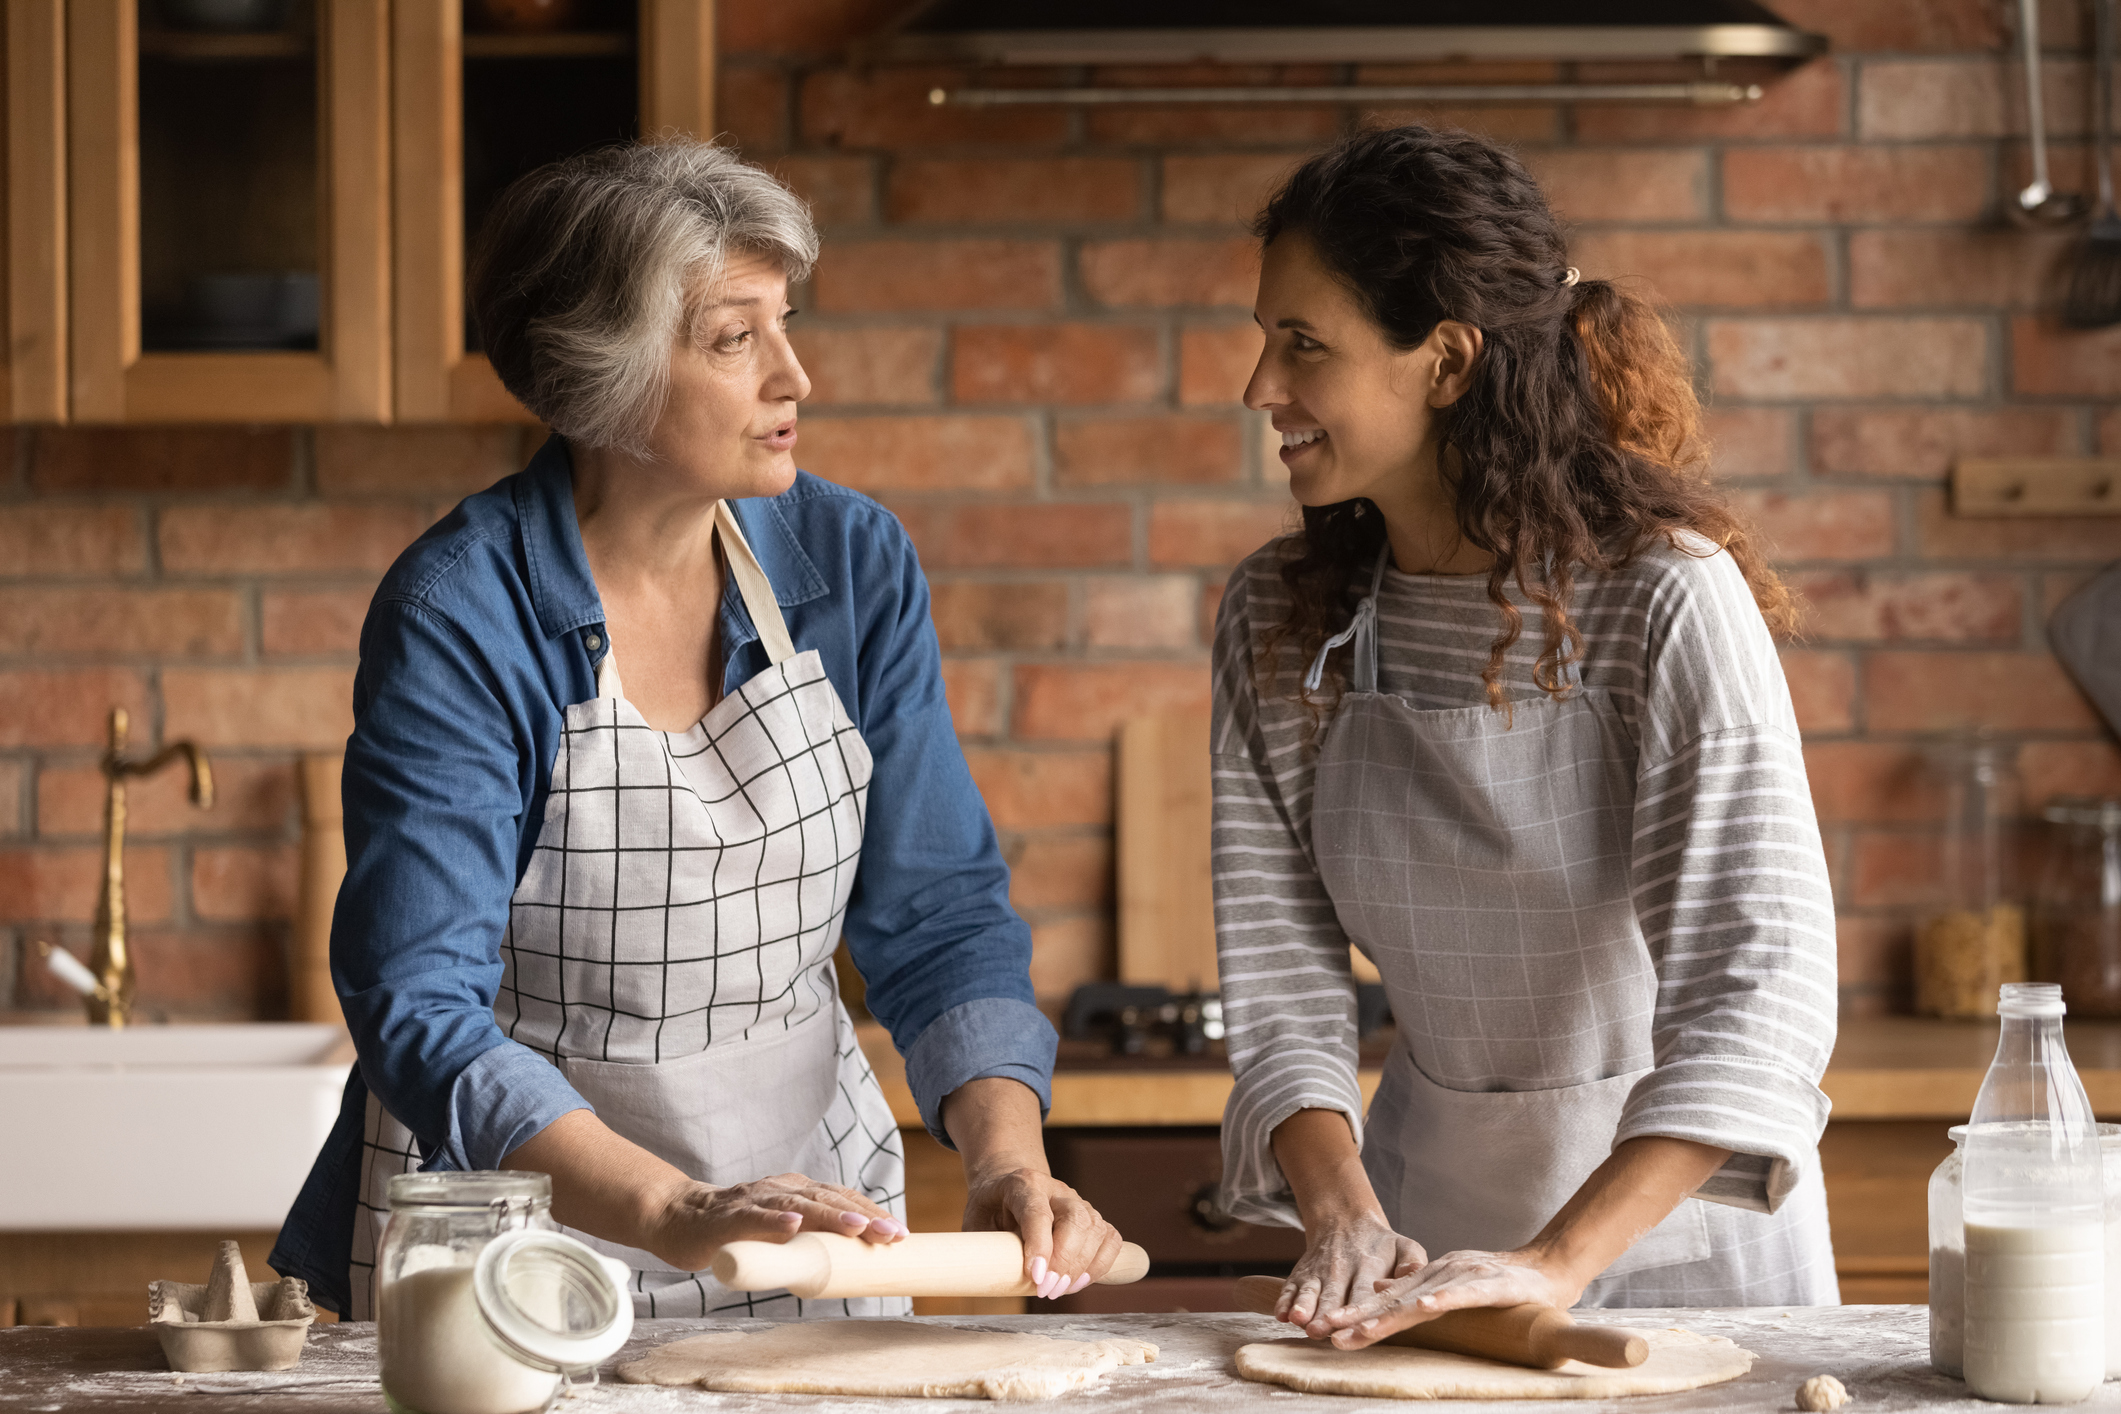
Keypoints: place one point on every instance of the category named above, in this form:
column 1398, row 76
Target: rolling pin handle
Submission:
column 1132, row 1265
column 802, row 1264
column 1613, row 1347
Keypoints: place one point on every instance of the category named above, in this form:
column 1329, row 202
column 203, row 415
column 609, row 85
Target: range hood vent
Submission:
column 1071, row 32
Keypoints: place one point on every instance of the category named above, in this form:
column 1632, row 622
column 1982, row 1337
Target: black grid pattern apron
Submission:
column 670, row 945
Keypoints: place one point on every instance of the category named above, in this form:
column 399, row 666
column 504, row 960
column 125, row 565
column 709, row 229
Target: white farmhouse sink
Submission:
column 163, row 1127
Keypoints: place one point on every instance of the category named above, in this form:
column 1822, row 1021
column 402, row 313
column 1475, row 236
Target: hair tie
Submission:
column 1571, row 276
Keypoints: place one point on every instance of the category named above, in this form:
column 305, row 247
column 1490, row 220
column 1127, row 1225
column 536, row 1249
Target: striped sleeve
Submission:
column 1288, row 997
column 1730, row 885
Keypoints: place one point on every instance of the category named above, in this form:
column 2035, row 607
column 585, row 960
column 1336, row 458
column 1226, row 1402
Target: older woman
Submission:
column 588, row 921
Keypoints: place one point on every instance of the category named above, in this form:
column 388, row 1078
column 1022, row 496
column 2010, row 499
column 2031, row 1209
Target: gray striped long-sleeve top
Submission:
column 1728, row 872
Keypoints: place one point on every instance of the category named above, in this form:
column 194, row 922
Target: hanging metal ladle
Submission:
column 2039, row 204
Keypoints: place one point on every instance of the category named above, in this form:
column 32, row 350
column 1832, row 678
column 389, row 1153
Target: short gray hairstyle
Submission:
column 589, row 268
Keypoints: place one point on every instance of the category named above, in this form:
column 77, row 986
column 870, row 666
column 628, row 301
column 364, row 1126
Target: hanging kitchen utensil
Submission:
column 2086, row 632
column 2039, row 204
column 2094, row 298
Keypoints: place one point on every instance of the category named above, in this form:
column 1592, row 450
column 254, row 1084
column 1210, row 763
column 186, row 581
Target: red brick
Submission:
column 1863, row 606
column 423, row 461
column 60, row 883
column 1807, row 103
column 2052, row 768
column 1504, row 123
column 1822, row 689
column 170, row 623
column 292, row 707
column 986, row 191
column 873, row 364
column 1027, row 790
column 67, row 707
column 212, row 974
column 1822, row 525
column 1623, row 184
column 1759, row 269
column 243, row 883
column 1966, row 97
column 1088, row 701
column 889, row 108
column 1896, row 868
column 14, row 783
column 1841, row 184
column 1223, row 188
column 880, row 454
column 973, row 688
column 1135, row 451
column 1928, row 692
column 1039, row 535
column 249, row 794
column 2037, row 538
column 1067, row 952
column 972, row 614
column 161, row 459
column 1749, row 443
column 1872, row 783
column 1904, row 269
column 285, row 539
column 1056, row 363
column 1213, row 534
column 1871, row 950
column 46, row 541
column 751, row 106
column 866, row 277
column 1864, row 26
column 1141, row 611
column 1211, row 125
column 2048, row 359
column 1169, row 274
column 799, row 27
column 313, row 623
column 1841, row 358
column 1215, row 362
column 1062, row 871
column 2070, row 166
column 1924, row 443
column 840, row 190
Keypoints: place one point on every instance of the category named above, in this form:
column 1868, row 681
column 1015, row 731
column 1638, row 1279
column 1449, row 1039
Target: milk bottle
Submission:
column 2035, row 1328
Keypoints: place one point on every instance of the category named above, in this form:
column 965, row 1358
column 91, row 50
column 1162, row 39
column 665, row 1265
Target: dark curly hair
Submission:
column 1578, row 441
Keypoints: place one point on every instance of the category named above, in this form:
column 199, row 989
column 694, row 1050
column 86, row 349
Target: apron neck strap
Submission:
column 1362, row 675
column 752, row 584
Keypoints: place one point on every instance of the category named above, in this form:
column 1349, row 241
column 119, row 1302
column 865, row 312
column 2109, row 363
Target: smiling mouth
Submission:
column 1290, row 441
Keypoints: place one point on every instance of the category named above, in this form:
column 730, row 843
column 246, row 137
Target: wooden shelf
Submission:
column 548, row 46
column 225, row 48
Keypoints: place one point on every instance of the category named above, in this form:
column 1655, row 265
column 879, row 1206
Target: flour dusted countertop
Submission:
column 1880, row 1352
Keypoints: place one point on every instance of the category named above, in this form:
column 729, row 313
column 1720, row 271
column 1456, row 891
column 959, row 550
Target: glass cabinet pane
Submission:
column 230, row 174
column 543, row 79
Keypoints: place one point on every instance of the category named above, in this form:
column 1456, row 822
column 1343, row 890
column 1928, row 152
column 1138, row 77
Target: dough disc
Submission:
column 892, row 1358
column 1678, row 1360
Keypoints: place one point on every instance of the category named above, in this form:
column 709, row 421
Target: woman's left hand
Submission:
column 1067, row 1243
column 1453, row 1282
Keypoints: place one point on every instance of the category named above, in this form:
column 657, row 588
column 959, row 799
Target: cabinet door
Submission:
column 34, row 388
column 229, row 215
column 476, row 110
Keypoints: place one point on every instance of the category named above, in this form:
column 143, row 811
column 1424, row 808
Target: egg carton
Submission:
column 231, row 1322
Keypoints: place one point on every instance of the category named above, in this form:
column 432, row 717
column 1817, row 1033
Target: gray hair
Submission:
column 589, row 268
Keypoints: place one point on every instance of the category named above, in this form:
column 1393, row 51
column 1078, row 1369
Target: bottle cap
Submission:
column 553, row 1302
column 2030, row 999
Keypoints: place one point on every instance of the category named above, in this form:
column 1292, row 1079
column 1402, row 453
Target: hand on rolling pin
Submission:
column 995, row 1124
column 1452, row 1282
column 1344, row 1257
column 698, row 1218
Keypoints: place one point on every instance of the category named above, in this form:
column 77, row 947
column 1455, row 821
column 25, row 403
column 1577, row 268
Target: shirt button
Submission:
column 592, row 642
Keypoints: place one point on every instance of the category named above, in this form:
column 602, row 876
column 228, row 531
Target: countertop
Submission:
column 1880, row 1352
column 1895, row 1067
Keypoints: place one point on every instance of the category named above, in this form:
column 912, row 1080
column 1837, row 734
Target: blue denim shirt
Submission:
column 478, row 639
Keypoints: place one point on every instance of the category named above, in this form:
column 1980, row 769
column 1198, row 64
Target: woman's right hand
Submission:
column 1343, row 1257
column 698, row 1218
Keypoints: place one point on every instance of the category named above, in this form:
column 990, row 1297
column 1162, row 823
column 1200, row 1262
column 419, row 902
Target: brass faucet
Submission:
column 111, row 1002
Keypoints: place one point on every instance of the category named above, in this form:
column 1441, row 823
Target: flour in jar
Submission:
column 2035, row 1318
column 439, row 1357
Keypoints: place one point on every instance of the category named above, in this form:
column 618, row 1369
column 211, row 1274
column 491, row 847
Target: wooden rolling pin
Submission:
column 1542, row 1337
column 919, row 1264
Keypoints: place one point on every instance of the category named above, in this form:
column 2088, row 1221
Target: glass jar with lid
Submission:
column 482, row 1305
column 2077, row 909
column 1972, row 941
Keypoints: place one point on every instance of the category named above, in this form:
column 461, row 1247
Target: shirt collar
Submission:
column 564, row 593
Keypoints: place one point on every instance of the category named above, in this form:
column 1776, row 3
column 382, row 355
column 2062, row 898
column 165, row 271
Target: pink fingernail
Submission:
column 854, row 1219
column 1080, row 1282
column 1038, row 1271
column 889, row 1227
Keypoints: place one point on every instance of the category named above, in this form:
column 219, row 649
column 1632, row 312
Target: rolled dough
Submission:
column 892, row 1358
column 1678, row 1360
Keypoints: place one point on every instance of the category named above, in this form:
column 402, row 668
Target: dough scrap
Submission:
column 1678, row 1360
column 1821, row 1393
column 899, row 1359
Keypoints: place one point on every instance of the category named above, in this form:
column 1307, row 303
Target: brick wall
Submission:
column 1028, row 337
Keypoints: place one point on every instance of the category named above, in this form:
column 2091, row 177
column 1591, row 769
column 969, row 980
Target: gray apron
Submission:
column 670, row 950
column 1481, row 859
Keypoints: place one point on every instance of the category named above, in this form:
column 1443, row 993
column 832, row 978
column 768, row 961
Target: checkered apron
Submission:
column 1481, row 860
column 670, row 950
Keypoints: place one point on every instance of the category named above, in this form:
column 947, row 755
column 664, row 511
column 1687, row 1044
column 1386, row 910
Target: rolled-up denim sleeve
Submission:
column 437, row 781
column 946, row 959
